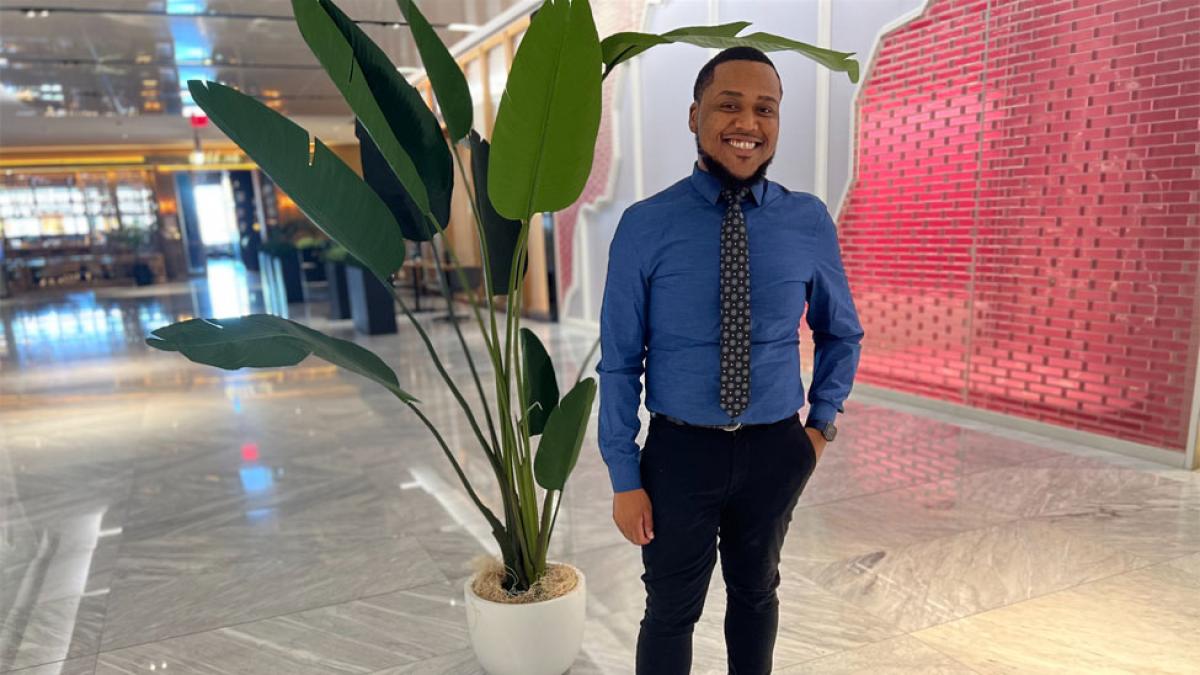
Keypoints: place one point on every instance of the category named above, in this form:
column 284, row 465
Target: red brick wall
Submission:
column 1023, row 231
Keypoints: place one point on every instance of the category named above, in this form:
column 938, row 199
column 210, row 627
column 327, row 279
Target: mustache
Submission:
column 725, row 176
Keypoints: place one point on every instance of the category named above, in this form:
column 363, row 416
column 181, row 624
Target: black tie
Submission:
column 735, row 306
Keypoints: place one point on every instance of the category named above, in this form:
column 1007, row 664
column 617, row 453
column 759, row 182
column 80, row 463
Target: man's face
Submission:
column 736, row 121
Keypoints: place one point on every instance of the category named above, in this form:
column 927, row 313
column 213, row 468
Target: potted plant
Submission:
column 138, row 242
column 372, row 303
column 525, row 613
column 335, row 272
column 281, row 260
column 310, row 249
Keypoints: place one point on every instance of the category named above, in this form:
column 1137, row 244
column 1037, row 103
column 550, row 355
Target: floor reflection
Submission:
column 80, row 325
column 156, row 514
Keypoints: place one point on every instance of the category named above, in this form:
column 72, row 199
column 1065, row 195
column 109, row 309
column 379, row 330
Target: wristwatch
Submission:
column 827, row 428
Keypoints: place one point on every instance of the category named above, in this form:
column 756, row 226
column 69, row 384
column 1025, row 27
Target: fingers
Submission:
column 639, row 535
column 635, row 532
column 634, row 520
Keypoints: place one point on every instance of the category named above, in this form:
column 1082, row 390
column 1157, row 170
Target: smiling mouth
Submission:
column 741, row 144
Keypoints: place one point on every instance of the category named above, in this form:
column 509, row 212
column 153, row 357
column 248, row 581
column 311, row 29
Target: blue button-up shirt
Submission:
column 660, row 313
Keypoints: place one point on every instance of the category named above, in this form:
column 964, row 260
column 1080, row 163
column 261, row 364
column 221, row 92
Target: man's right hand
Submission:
column 631, row 513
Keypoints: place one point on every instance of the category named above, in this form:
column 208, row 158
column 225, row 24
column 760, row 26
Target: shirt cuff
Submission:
column 821, row 412
column 625, row 476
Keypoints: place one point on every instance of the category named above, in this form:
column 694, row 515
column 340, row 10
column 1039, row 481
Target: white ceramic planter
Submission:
column 539, row 638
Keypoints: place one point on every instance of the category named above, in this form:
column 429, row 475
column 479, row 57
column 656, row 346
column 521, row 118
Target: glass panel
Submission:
column 497, row 77
column 474, row 73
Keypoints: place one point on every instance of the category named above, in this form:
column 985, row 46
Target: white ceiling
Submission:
column 106, row 72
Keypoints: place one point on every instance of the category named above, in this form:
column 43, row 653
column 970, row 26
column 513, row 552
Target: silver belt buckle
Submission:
column 731, row 427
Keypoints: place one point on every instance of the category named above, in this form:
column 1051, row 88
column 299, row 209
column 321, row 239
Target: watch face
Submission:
column 830, row 432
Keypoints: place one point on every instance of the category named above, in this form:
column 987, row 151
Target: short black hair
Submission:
column 705, row 77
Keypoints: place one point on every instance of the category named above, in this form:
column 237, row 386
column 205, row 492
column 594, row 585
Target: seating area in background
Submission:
column 32, row 269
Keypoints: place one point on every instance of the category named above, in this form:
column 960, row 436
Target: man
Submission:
column 707, row 281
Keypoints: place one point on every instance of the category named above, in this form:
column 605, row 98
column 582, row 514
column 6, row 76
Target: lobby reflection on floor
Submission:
column 160, row 515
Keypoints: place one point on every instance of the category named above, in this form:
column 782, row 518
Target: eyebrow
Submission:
column 739, row 95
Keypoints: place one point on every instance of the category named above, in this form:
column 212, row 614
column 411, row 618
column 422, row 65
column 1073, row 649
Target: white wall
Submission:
column 655, row 90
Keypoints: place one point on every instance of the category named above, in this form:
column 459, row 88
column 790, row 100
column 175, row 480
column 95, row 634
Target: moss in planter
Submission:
column 559, row 580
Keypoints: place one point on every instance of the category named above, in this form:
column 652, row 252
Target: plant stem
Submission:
column 544, row 532
column 462, row 279
column 523, row 464
column 586, row 359
column 530, row 528
column 483, row 245
column 487, row 513
column 437, row 362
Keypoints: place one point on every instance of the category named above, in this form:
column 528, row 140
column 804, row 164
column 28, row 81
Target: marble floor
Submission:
column 160, row 515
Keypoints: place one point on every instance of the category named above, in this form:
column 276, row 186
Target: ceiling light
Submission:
column 462, row 27
column 396, row 26
column 30, row 13
column 196, row 157
column 149, row 83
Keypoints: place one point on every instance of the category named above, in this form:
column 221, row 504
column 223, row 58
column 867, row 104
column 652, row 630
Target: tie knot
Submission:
column 735, row 196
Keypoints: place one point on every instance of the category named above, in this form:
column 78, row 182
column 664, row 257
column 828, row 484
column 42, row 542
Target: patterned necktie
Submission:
column 735, row 306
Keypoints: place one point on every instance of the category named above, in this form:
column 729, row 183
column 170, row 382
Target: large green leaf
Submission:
column 541, row 387
column 264, row 341
column 620, row 47
column 559, row 448
column 501, row 234
column 325, row 189
column 392, row 110
column 546, row 129
column 449, row 84
column 379, row 176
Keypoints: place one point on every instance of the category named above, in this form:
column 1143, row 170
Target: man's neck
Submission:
column 728, row 180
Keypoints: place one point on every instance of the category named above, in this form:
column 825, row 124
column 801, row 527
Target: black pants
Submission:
column 705, row 484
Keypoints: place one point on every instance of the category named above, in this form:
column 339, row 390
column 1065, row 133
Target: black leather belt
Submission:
column 726, row 427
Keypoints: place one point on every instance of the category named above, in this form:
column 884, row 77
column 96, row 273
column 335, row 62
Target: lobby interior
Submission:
column 162, row 515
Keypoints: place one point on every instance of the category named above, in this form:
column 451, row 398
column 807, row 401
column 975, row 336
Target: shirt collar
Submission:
column 709, row 186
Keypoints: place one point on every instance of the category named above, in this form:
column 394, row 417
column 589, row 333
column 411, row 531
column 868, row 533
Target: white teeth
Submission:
column 742, row 145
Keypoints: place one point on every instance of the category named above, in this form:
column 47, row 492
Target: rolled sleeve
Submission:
column 622, row 357
column 837, row 332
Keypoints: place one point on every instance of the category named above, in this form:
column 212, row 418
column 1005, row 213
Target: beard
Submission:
column 725, row 176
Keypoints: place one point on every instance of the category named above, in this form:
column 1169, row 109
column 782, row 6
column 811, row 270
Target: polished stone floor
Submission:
column 160, row 515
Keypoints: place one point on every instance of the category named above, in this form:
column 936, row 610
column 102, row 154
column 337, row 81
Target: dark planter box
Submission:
column 339, row 294
column 371, row 304
column 310, row 262
column 142, row 274
column 287, row 267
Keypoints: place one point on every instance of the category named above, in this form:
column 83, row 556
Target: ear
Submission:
column 692, row 118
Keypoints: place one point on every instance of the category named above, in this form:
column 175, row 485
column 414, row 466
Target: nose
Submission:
column 746, row 123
